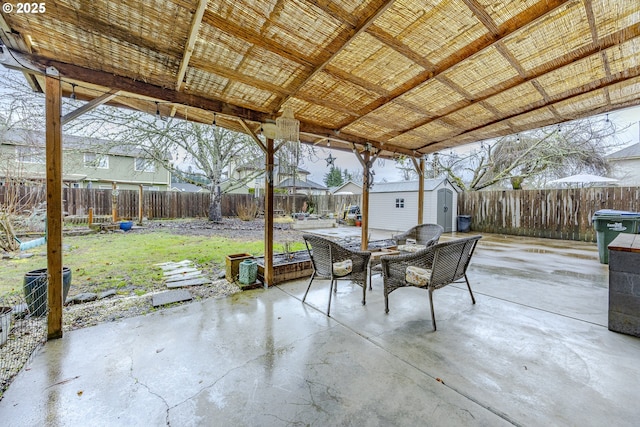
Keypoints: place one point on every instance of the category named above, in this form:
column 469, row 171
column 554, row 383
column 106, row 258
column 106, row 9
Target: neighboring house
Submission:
column 87, row 162
column 626, row 165
column 302, row 187
column 394, row 205
column 347, row 188
column 185, row 187
column 253, row 175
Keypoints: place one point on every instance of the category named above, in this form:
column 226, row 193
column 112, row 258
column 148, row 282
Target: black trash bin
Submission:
column 464, row 223
column 36, row 289
column 608, row 223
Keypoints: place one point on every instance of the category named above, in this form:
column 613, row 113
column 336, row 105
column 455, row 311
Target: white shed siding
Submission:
column 384, row 215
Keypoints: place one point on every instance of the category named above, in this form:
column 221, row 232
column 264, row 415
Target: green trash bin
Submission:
column 608, row 224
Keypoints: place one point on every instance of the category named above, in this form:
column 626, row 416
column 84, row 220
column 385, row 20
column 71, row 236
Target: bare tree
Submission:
column 406, row 168
column 535, row 156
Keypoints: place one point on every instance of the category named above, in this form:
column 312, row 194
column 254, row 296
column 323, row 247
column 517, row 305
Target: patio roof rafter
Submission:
column 191, row 41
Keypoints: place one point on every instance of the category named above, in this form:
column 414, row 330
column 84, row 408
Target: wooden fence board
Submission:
column 555, row 213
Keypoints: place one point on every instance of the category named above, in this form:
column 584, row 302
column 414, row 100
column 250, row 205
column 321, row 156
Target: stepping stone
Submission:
column 190, row 282
column 180, row 271
column 172, row 265
column 183, row 276
column 169, row 297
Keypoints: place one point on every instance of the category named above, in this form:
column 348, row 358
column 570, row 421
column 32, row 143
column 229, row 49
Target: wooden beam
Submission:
column 191, row 42
column 268, row 214
column 252, row 134
column 53, row 107
column 90, row 106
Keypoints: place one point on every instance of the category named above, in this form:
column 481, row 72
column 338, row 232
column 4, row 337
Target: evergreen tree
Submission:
column 333, row 178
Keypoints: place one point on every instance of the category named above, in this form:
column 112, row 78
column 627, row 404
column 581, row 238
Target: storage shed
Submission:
column 394, row 205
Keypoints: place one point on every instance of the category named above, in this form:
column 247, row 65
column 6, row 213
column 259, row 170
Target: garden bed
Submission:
column 287, row 266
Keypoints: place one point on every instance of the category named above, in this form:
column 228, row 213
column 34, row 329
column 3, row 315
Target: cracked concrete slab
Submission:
column 198, row 281
column 533, row 350
column 170, row 297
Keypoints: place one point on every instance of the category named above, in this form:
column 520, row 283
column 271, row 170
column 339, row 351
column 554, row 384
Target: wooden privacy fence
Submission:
column 165, row 204
column 557, row 214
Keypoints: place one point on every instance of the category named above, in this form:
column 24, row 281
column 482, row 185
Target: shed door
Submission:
column 445, row 209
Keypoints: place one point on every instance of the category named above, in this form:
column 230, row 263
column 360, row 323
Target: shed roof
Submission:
column 409, row 186
column 631, row 152
column 406, row 76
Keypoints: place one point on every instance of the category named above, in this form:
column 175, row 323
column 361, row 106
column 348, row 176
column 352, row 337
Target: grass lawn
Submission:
column 125, row 261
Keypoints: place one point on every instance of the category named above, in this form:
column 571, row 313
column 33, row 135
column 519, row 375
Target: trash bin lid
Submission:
column 616, row 213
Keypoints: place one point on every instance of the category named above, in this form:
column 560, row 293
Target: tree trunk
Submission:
column 215, row 206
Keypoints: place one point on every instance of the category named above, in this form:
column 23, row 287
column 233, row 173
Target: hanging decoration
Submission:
column 287, row 126
column 330, row 160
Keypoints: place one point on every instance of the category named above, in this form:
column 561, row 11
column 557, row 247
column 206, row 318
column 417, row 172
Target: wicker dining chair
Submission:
column 431, row 269
column 423, row 234
column 334, row 262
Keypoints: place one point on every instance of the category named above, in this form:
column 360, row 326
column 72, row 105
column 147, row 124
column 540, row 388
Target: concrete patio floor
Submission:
column 535, row 350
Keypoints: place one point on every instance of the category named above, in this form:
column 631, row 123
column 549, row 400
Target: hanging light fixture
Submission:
column 287, row 126
column 73, row 91
column 328, row 142
column 158, row 111
column 214, row 121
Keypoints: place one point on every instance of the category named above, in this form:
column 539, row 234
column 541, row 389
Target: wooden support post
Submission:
column 90, row 220
column 140, row 204
column 365, row 200
column 114, row 201
column 420, row 170
column 54, row 201
column 268, row 214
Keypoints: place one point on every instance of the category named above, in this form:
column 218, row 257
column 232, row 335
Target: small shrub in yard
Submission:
column 247, row 211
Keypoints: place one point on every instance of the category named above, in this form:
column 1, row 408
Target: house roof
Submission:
column 408, row 186
column 631, row 152
column 302, row 185
column 340, row 187
column 186, row 187
column 407, row 76
column 70, row 142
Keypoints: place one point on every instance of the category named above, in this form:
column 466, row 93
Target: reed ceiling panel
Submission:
column 516, row 99
column 534, row 119
column 266, row 66
column 317, row 114
column 574, row 75
column 395, row 116
column 549, row 39
column 614, row 16
column 350, row 95
column 624, row 56
column 434, row 97
column 580, row 105
column 501, row 11
column 199, row 81
column 371, row 60
column 626, row 91
column 254, row 14
column 432, row 29
column 217, row 46
column 366, row 128
column 470, row 117
column 482, row 73
column 245, row 95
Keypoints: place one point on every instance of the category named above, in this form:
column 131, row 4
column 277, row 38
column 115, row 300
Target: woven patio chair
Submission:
column 334, row 262
column 423, row 234
column 431, row 269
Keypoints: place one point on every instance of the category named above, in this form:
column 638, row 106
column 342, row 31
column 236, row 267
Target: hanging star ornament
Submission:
column 330, row 160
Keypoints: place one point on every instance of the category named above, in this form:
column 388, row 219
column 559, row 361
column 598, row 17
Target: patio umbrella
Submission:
column 583, row 179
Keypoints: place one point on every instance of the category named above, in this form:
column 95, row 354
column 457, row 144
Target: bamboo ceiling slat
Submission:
column 502, row 11
column 574, row 75
column 268, row 67
column 482, row 72
column 383, row 66
column 434, row 97
column 396, row 116
column 245, row 95
column 516, row 99
column 251, row 14
column 563, row 30
column 624, row 56
column 471, row 116
column 614, row 16
column 537, row 118
column 575, row 107
column 366, row 129
column 218, row 46
column 349, row 95
column 317, row 114
column 625, row 91
column 449, row 27
column 203, row 82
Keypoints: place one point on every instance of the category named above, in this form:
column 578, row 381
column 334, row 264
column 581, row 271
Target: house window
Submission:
column 30, row 154
column 93, row 160
column 144, row 165
column 399, row 203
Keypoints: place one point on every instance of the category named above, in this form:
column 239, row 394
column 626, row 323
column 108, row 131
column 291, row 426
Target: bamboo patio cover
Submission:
column 407, row 76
